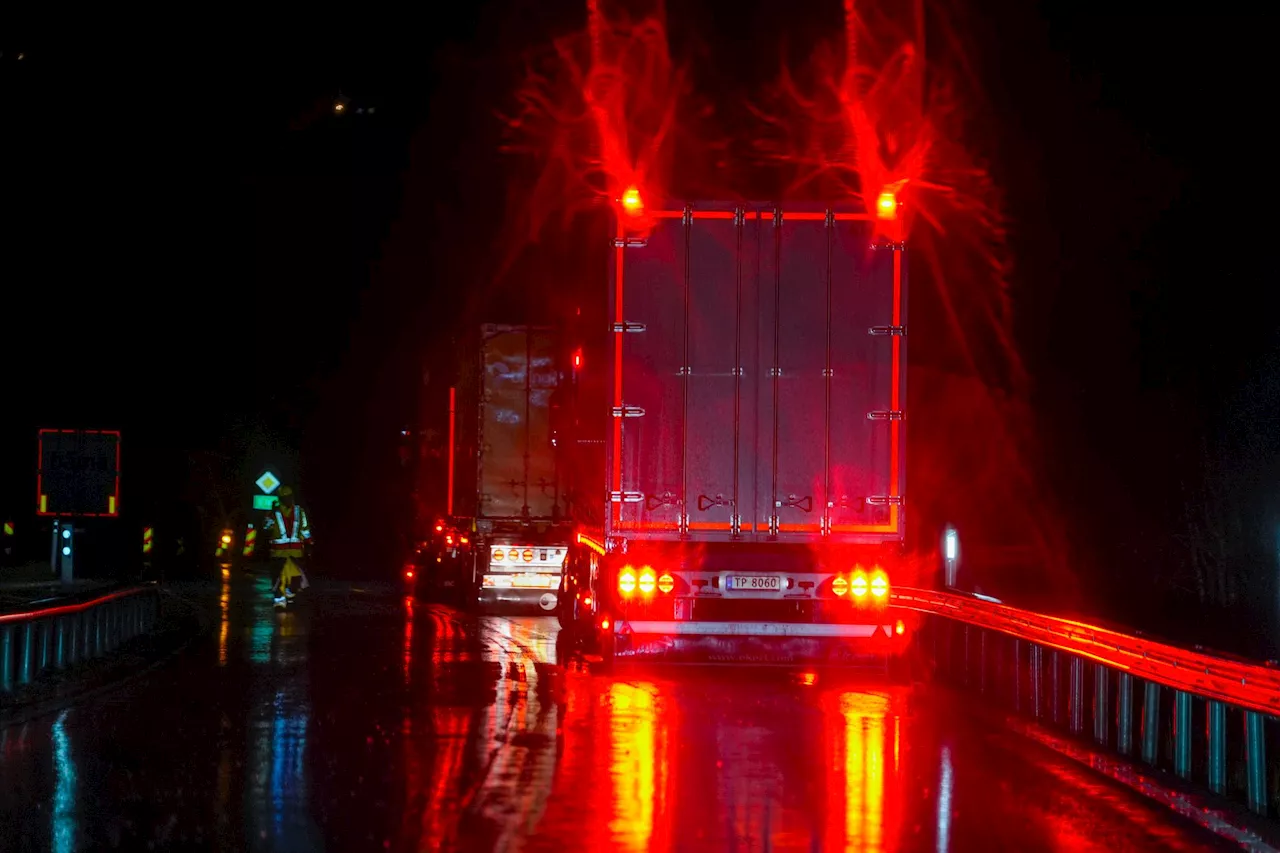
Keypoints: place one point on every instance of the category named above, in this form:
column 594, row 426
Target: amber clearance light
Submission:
column 859, row 584
column 666, row 583
column 887, row 205
column 631, row 202
column 627, row 581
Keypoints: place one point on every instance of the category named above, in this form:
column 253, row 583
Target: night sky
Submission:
column 194, row 242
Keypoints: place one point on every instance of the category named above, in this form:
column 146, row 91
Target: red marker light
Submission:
column 604, row 624
column 577, row 359
column 887, row 205
column 408, row 573
column 631, row 202
column 586, row 602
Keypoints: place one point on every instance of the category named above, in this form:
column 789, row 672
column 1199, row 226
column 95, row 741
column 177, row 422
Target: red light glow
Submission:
column 872, row 117
column 598, row 113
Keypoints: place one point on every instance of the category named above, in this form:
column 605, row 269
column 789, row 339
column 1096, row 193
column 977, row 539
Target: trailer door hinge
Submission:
column 629, row 242
column 626, row 497
column 887, row 330
column 884, row 416
column 627, row 327
column 627, row 412
column 890, row 245
column 884, row 500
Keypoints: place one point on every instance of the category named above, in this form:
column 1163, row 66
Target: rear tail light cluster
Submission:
column 646, row 580
column 863, row 586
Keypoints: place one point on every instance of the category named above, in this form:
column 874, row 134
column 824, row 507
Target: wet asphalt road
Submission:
column 364, row 722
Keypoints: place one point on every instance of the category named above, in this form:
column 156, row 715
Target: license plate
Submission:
column 751, row 583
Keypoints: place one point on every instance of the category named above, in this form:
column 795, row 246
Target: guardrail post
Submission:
column 60, row 642
column 1101, row 705
column 1055, row 685
column 1182, row 734
column 1217, row 736
column 71, row 627
column 1037, row 681
column 1255, row 736
column 28, row 650
column 982, row 661
column 46, row 641
column 1017, row 675
column 1150, row 722
column 1075, row 711
column 6, row 658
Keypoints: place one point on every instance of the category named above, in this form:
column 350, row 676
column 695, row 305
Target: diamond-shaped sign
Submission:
column 267, row 482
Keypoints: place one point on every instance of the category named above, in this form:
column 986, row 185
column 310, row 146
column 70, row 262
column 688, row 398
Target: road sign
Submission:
column 79, row 473
column 268, row 482
column 265, row 503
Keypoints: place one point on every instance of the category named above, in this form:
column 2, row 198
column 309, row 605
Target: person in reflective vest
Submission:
column 289, row 531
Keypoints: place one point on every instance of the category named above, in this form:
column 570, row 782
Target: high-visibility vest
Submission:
column 288, row 534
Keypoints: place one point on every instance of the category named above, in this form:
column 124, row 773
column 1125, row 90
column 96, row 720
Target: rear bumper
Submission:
column 538, row 598
column 755, row 642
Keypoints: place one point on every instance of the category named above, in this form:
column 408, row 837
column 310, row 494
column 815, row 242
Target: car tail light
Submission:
column 839, row 586
column 858, row 586
column 879, row 584
column 666, row 583
column 627, row 581
column 647, row 581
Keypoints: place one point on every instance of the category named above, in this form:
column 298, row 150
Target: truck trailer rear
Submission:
column 522, row 530
column 750, row 384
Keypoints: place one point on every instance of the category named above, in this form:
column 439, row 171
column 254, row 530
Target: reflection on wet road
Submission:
column 363, row 721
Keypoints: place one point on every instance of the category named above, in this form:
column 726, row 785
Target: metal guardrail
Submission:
column 54, row 638
column 1017, row 657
